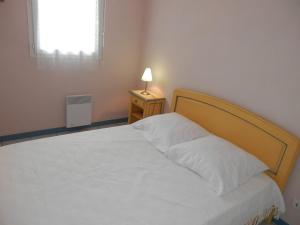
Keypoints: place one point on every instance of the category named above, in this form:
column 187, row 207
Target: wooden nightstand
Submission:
column 142, row 106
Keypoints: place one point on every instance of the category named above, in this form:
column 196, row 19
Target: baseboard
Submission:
column 280, row 222
column 31, row 134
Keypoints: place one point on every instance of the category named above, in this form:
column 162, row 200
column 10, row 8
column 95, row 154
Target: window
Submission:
column 67, row 28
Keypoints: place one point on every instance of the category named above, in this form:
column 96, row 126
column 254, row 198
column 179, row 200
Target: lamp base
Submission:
column 145, row 93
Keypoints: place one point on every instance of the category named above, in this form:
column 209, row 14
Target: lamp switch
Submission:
column 296, row 203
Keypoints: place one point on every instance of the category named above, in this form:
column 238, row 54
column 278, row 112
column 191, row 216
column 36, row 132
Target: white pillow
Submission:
column 169, row 129
column 224, row 165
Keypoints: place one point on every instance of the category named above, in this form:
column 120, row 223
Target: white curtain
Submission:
column 66, row 32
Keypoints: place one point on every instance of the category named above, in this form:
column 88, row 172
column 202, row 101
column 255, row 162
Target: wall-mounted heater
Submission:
column 78, row 110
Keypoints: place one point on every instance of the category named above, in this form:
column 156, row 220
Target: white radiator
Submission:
column 78, row 110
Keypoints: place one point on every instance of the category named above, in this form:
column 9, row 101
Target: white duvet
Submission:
column 115, row 177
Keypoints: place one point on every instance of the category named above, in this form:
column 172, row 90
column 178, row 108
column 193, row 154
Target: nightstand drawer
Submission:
column 137, row 101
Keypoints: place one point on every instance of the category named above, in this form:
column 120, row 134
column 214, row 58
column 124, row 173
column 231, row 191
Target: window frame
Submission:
column 35, row 51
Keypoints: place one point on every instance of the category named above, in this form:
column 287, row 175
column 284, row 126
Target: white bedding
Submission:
column 115, row 177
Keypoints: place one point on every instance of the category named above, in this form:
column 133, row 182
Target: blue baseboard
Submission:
column 280, row 222
column 58, row 130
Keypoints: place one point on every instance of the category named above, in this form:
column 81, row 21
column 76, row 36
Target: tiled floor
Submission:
column 60, row 133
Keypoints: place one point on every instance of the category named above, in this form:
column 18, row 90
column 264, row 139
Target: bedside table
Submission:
column 142, row 106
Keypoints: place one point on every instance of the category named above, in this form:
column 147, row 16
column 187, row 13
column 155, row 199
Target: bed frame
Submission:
column 271, row 144
column 274, row 146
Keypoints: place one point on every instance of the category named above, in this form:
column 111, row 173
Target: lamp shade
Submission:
column 147, row 76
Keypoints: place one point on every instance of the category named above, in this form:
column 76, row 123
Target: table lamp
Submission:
column 147, row 77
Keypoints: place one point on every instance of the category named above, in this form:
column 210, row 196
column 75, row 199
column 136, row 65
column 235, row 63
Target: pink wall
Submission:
column 25, row 89
column 244, row 51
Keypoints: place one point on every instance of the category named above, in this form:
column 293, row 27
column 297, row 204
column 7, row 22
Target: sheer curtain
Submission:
column 66, row 32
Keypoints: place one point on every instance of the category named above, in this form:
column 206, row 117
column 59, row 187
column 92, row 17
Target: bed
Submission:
column 115, row 176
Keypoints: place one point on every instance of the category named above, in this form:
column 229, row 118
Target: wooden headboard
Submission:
column 268, row 142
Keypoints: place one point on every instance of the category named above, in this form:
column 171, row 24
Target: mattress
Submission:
column 114, row 176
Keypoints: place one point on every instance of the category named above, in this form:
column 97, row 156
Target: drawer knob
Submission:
column 135, row 101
